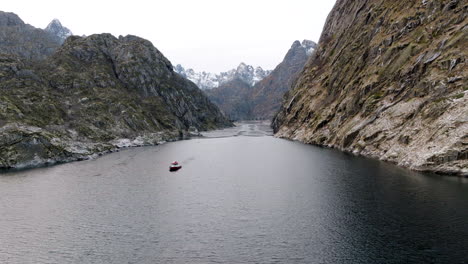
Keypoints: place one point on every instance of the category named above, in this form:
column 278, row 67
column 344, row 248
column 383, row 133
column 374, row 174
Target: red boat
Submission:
column 175, row 166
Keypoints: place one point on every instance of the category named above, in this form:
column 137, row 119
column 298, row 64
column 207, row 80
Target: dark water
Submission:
column 250, row 198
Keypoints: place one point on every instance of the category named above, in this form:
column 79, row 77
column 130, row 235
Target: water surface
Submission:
column 242, row 196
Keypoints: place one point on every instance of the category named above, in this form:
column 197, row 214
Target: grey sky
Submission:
column 209, row 35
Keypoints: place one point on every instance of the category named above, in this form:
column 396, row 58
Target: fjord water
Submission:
column 242, row 196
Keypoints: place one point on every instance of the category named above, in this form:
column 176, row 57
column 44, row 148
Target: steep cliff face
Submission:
column 267, row 95
column 241, row 100
column 387, row 81
column 24, row 40
column 93, row 95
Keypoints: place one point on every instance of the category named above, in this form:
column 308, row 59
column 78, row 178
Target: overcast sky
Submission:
column 206, row 35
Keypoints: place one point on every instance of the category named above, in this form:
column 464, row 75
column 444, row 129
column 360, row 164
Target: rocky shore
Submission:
column 25, row 147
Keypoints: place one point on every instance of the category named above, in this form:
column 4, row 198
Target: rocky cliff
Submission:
column 24, row 40
column 93, row 95
column 388, row 81
column 241, row 100
column 267, row 95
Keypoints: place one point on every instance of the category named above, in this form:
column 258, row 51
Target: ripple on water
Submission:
column 242, row 199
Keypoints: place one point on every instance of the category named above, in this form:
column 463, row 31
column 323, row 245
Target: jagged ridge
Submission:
column 207, row 80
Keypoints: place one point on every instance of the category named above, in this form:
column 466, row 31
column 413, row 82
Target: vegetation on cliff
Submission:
column 92, row 95
column 387, row 81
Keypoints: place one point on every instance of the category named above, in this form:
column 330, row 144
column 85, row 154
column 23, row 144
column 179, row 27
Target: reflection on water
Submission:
column 242, row 196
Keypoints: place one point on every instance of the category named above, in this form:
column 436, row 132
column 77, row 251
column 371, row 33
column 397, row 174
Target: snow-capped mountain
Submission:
column 55, row 28
column 309, row 46
column 207, row 80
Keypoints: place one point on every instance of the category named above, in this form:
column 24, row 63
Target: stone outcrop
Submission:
column 94, row 95
column 388, row 81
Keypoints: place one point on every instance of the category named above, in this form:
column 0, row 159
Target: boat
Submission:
column 175, row 166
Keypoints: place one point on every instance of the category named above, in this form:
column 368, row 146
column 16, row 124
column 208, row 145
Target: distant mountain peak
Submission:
column 55, row 28
column 309, row 45
column 243, row 67
column 205, row 80
column 247, row 73
column 55, row 21
column 241, row 101
column 24, row 40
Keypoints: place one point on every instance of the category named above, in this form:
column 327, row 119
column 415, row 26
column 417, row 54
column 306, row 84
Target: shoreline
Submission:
column 448, row 173
column 72, row 151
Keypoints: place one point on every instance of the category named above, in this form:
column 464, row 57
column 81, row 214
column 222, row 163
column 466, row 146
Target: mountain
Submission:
column 94, row 95
column 56, row 29
column 388, row 81
column 206, row 80
column 240, row 100
column 233, row 98
column 24, row 40
column 267, row 95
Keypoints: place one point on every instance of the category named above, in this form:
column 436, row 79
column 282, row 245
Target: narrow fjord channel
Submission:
column 242, row 196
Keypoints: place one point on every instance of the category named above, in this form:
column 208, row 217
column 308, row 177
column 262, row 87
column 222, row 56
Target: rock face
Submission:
column 57, row 30
column 233, row 98
column 388, row 81
column 267, row 95
column 24, row 40
column 93, row 95
column 240, row 100
column 207, row 80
